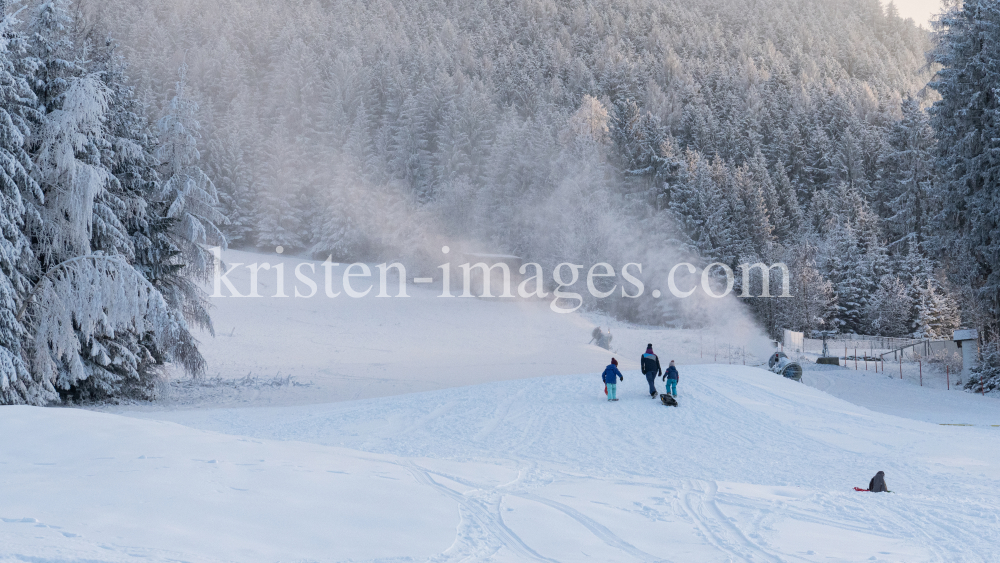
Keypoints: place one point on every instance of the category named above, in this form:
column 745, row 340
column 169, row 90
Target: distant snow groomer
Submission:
column 650, row 366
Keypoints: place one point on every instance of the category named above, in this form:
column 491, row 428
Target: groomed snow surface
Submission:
column 527, row 462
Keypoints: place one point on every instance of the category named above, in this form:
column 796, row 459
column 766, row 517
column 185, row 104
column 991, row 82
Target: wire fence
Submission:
column 725, row 353
column 923, row 361
column 872, row 347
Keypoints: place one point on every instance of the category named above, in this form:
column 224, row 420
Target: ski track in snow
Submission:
column 485, row 515
column 699, row 503
column 596, row 528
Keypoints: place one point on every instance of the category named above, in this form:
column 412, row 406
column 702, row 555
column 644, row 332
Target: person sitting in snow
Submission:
column 670, row 378
column 609, row 375
column 877, row 484
column 650, row 365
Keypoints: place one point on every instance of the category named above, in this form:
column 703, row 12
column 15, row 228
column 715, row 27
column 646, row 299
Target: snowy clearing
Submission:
column 749, row 467
column 396, row 443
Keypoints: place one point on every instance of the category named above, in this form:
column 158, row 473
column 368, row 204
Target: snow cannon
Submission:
column 785, row 367
column 775, row 358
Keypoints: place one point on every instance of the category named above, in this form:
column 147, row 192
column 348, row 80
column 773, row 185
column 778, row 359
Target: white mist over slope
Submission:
column 348, row 348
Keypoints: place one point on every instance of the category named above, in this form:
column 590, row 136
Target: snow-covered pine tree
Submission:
column 841, row 264
column 229, row 161
column 752, row 186
column 188, row 191
column 791, row 210
column 908, row 175
column 937, row 315
column 94, row 323
column 51, row 48
column 279, row 219
column 819, row 168
column 135, row 181
column 409, row 160
column 726, row 214
column 690, row 199
column 17, row 384
column 637, row 139
column 812, row 305
column 82, row 299
column 967, row 122
column 338, row 233
column 889, row 308
column 985, row 377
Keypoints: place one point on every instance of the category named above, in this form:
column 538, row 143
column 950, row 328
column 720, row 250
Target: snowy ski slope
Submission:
column 751, row 467
column 462, row 464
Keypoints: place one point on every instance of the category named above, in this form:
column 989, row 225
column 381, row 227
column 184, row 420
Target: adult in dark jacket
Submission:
column 609, row 375
column 877, row 484
column 670, row 378
column 650, row 365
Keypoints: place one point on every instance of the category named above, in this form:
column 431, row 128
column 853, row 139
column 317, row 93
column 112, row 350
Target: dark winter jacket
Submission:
column 877, row 484
column 672, row 374
column 650, row 363
column 610, row 373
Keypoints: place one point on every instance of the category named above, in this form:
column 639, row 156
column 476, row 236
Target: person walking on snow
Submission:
column 609, row 375
column 670, row 378
column 650, row 365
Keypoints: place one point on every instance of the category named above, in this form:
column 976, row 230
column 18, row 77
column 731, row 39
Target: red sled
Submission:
column 605, row 388
column 861, row 490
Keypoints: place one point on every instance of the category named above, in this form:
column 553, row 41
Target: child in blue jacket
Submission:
column 609, row 375
column 670, row 378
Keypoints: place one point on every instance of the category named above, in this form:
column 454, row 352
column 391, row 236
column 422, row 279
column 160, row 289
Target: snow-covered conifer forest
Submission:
column 830, row 135
column 188, row 188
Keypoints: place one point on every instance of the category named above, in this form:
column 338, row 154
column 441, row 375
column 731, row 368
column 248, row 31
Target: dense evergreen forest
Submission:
column 830, row 135
column 626, row 130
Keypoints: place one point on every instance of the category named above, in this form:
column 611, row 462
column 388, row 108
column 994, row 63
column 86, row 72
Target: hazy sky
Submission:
column 920, row 10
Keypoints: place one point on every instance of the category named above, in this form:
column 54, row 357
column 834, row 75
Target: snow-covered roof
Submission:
column 966, row 334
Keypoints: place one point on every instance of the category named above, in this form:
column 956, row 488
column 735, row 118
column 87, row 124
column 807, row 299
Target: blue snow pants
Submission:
column 612, row 387
column 650, row 378
column 671, row 387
